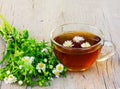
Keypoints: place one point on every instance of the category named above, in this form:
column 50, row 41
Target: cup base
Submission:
column 75, row 70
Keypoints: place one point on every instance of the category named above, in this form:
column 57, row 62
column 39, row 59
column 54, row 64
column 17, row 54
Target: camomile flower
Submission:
column 28, row 59
column 20, row 82
column 10, row 79
column 77, row 39
column 68, row 43
column 40, row 66
column 45, row 59
column 20, row 67
column 59, row 67
column 86, row 44
column 56, row 73
column 44, row 50
column 8, row 72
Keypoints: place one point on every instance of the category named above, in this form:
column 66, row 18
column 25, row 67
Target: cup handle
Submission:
column 107, row 51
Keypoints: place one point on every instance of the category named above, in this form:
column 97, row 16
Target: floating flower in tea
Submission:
column 68, row 43
column 86, row 44
column 77, row 39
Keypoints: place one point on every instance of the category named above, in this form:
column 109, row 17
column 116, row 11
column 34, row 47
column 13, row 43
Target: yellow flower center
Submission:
column 26, row 60
column 59, row 68
column 41, row 65
column 10, row 76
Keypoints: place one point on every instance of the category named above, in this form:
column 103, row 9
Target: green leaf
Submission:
column 5, row 24
column 17, row 53
column 5, row 57
column 25, row 34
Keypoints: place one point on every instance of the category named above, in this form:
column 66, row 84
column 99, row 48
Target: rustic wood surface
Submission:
column 41, row 16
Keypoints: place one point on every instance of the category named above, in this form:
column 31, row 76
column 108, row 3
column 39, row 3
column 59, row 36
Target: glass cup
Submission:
column 76, row 58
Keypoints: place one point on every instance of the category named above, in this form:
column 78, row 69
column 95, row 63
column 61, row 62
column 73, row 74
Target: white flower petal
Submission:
column 26, row 57
column 39, row 71
column 20, row 67
column 6, row 80
column 44, row 50
column 32, row 58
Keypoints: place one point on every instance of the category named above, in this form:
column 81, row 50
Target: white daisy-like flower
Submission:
column 10, row 79
column 45, row 59
column 68, row 43
column 86, row 44
column 20, row 67
column 77, row 39
column 8, row 72
column 40, row 66
column 44, row 50
column 28, row 59
column 56, row 73
column 59, row 67
column 20, row 82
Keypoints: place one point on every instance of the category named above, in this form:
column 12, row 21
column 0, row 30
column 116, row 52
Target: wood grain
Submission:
column 41, row 16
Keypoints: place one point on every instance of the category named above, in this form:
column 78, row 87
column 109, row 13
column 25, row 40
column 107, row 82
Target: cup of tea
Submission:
column 77, row 46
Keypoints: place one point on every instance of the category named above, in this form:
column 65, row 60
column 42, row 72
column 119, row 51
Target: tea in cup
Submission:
column 78, row 46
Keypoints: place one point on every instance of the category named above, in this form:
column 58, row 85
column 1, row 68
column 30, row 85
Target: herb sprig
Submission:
column 26, row 60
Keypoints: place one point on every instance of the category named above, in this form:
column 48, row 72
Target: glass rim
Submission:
column 85, row 48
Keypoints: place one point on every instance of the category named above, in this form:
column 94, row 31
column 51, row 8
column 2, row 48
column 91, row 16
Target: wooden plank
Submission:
column 41, row 16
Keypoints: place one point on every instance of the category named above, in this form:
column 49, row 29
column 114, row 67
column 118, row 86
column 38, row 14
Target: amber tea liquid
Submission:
column 76, row 58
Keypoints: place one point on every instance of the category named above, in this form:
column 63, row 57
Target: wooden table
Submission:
column 41, row 16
